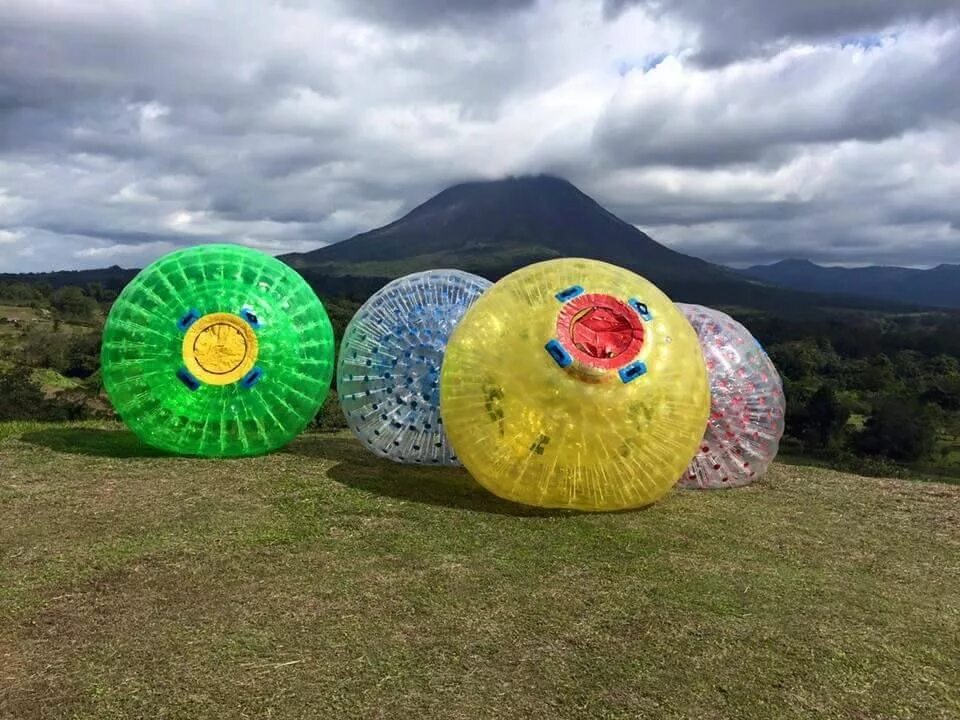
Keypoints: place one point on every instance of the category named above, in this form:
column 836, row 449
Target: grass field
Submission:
column 321, row 582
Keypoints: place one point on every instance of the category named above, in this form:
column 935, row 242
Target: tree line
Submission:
column 865, row 391
column 870, row 392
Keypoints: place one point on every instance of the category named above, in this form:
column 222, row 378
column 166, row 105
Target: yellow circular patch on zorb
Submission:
column 575, row 384
column 220, row 348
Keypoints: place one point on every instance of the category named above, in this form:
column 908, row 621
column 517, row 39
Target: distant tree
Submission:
column 854, row 338
column 43, row 349
column 83, row 355
column 795, row 360
column 821, row 422
column 20, row 397
column 71, row 302
column 873, row 375
column 854, row 402
column 95, row 290
column 908, row 364
column 829, row 363
column 944, row 366
column 899, row 429
column 72, row 354
column 19, row 293
column 943, row 392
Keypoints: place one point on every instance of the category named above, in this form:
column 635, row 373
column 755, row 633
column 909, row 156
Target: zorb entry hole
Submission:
column 220, row 349
column 600, row 331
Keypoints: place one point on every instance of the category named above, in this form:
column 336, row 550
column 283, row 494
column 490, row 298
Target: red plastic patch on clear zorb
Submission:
column 600, row 331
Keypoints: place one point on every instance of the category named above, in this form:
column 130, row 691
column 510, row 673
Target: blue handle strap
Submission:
column 252, row 378
column 632, row 371
column 191, row 316
column 569, row 294
column 641, row 309
column 558, row 353
column 251, row 317
column 187, row 378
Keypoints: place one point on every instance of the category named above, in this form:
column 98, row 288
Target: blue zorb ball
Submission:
column 388, row 374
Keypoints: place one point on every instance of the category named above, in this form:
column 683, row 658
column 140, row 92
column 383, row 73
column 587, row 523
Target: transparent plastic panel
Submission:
column 747, row 404
column 217, row 351
column 389, row 368
column 575, row 384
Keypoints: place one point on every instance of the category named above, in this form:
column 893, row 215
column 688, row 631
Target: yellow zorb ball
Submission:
column 575, row 384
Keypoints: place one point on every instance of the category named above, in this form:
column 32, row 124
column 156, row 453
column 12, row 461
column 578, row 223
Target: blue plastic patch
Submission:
column 251, row 317
column 569, row 294
column 632, row 371
column 559, row 355
column 641, row 308
column 189, row 319
column 252, row 378
column 184, row 376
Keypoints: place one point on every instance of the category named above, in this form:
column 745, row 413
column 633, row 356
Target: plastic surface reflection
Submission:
column 747, row 409
column 575, row 384
column 217, row 351
column 389, row 368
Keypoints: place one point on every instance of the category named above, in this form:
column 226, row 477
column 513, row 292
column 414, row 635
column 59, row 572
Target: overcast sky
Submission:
column 743, row 131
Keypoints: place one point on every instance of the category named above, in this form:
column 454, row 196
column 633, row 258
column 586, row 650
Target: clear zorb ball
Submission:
column 747, row 404
column 388, row 374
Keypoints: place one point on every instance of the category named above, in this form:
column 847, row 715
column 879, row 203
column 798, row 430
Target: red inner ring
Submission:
column 600, row 331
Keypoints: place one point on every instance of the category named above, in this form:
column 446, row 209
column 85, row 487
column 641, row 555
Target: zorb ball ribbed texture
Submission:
column 575, row 384
column 388, row 373
column 217, row 351
column 747, row 404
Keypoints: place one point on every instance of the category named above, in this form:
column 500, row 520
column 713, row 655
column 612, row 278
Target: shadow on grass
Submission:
column 358, row 468
column 94, row 442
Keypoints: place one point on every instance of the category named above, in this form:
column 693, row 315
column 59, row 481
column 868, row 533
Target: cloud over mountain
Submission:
column 130, row 128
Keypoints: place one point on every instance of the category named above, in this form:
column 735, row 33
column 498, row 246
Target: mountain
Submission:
column 936, row 287
column 494, row 227
column 502, row 225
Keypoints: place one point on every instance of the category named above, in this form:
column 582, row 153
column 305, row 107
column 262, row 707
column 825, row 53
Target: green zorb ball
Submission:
column 217, row 351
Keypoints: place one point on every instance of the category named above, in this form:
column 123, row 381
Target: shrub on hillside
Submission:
column 898, row 428
column 75, row 355
column 73, row 304
column 330, row 418
column 820, row 422
column 83, row 357
column 20, row 397
column 45, row 349
column 869, row 466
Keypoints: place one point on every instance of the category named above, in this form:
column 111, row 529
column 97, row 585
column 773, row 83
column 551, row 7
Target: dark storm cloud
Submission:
column 692, row 213
column 126, row 237
column 741, row 28
column 417, row 12
column 844, row 246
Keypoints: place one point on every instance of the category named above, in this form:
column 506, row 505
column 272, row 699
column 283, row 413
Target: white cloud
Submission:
column 9, row 237
column 682, row 114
